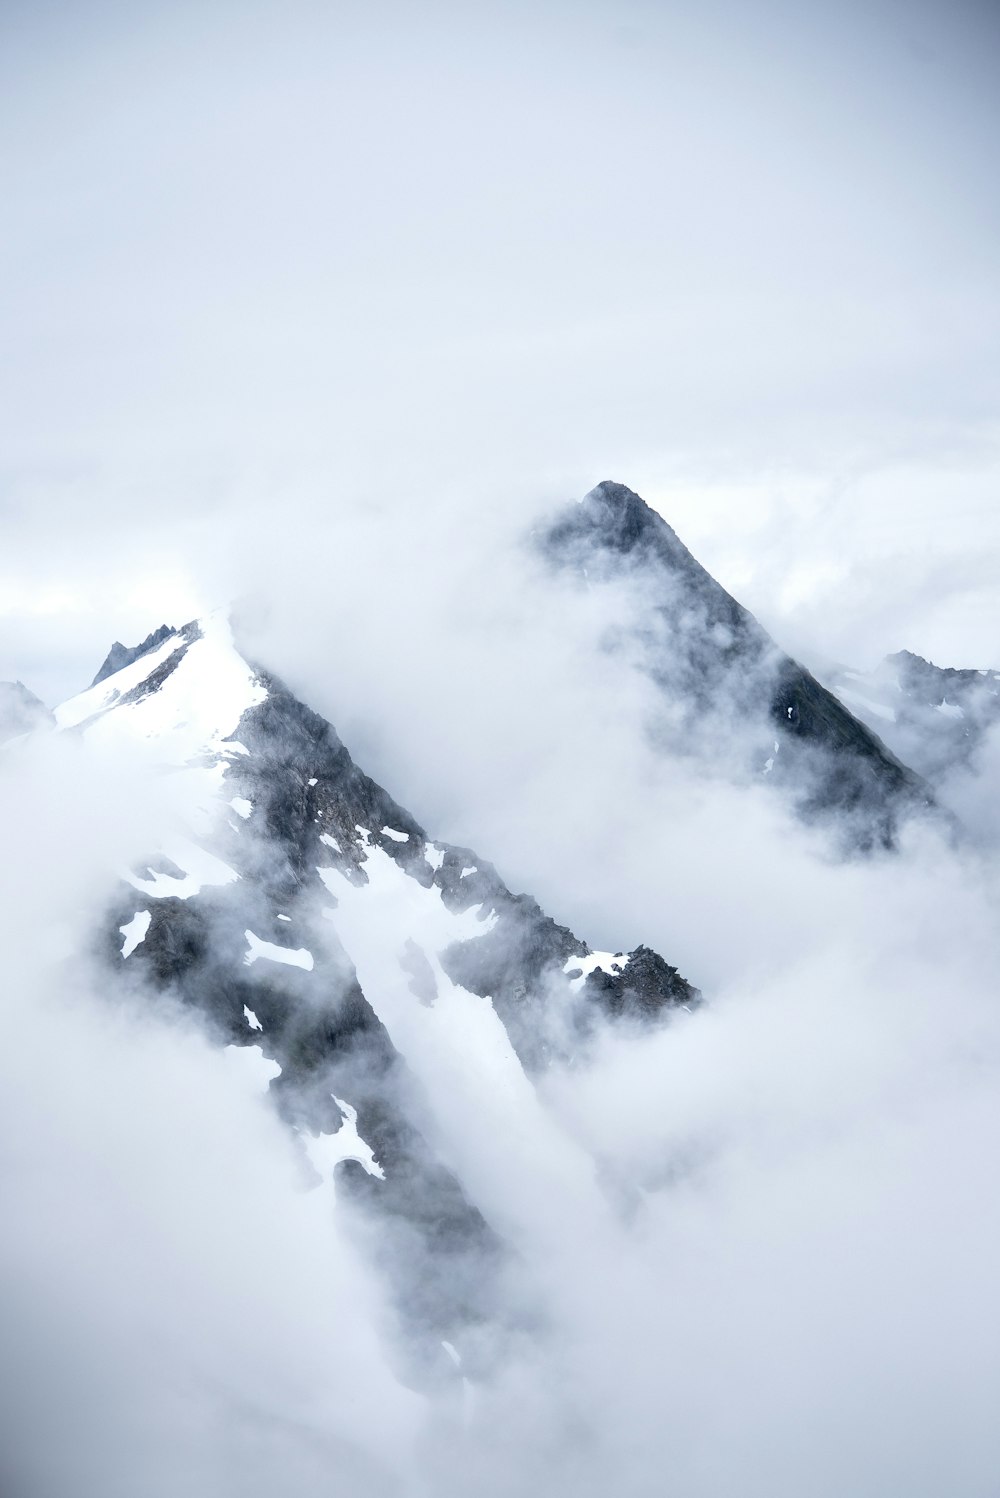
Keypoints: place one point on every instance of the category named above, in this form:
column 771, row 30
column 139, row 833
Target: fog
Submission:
column 321, row 314
column 757, row 1248
column 179, row 1310
column 744, row 262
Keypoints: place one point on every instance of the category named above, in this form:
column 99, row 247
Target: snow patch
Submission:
column 434, row 856
column 949, row 709
column 607, row 962
column 251, row 1019
column 862, row 704
column 497, row 1135
column 106, row 693
column 397, row 837
column 241, row 806
column 313, row 781
column 472, row 869
column 290, row 956
column 194, row 710
column 201, row 868
column 135, row 931
column 329, row 1150
column 331, row 842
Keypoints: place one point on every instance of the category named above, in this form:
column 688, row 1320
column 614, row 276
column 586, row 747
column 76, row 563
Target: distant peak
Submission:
column 20, row 710
column 17, row 689
column 908, row 655
column 120, row 656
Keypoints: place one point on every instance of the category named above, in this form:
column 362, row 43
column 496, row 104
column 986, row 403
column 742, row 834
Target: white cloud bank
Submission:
column 777, row 1275
column 745, row 262
column 180, row 1313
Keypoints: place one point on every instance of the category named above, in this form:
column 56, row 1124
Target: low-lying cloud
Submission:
column 757, row 1248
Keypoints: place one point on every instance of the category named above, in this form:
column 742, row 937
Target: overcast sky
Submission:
column 264, row 264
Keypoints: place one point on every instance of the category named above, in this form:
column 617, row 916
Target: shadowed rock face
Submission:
column 724, row 677
column 21, row 711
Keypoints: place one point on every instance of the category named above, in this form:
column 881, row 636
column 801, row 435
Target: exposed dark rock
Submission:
column 726, row 679
column 637, row 990
column 121, row 655
column 516, row 963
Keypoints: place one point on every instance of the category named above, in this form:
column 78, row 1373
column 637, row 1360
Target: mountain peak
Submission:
column 121, row 655
column 612, row 492
column 20, row 710
column 619, row 521
column 717, row 668
column 621, row 515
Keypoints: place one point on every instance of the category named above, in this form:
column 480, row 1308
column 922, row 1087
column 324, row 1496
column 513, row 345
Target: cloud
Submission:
column 281, row 259
column 756, row 1250
column 179, row 1309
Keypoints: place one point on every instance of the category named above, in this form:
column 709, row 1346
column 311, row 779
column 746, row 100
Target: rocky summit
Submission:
column 730, row 694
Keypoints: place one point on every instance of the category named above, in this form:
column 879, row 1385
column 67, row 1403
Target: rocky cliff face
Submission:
column 729, row 692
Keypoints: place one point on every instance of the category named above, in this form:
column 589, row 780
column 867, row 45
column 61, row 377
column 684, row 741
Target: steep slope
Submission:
column 382, row 980
column 729, row 692
column 935, row 717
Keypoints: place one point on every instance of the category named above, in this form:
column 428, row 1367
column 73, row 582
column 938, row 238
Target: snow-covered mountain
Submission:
column 353, row 961
column 524, row 1137
column 349, row 956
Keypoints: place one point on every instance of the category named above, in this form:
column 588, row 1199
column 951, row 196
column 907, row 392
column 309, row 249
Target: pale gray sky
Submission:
column 275, row 261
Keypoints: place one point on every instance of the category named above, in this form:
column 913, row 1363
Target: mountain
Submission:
column 20, row 711
column 936, row 717
column 376, row 980
column 349, row 957
column 120, row 656
column 330, row 1107
column 728, row 692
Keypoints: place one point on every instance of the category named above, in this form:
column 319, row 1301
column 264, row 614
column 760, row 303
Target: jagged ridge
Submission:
column 708, row 653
